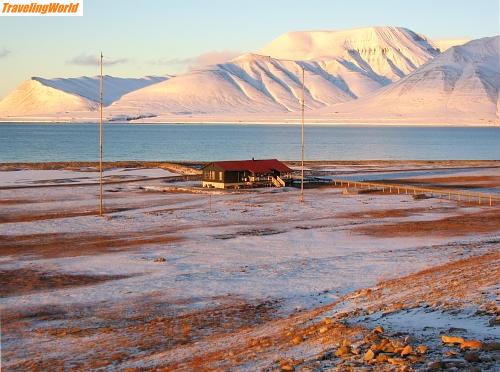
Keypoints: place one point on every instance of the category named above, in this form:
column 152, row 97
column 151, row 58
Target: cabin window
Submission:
column 220, row 176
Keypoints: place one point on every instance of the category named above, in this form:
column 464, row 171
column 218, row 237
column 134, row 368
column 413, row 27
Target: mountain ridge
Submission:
column 464, row 81
column 391, row 52
column 343, row 70
column 61, row 95
column 260, row 82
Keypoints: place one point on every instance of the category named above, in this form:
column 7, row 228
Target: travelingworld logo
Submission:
column 16, row 8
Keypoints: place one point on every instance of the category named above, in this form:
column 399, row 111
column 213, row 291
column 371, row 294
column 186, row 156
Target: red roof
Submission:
column 254, row 166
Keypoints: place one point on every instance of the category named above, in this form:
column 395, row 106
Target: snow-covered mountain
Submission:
column 461, row 83
column 389, row 52
column 250, row 84
column 53, row 97
column 339, row 66
column 361, row 75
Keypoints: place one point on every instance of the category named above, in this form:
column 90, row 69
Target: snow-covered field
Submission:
column 32, row 177
column 210, row 266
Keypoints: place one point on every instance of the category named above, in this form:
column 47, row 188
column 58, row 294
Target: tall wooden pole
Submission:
column 302, row 141
column 101, row 210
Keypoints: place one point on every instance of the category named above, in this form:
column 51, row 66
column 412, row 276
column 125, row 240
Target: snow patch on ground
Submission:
column 30, row 177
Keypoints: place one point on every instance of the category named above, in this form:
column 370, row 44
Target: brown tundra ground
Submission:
column 174, row 277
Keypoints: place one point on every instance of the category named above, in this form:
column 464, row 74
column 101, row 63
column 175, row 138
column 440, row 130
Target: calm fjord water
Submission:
column 78, row 142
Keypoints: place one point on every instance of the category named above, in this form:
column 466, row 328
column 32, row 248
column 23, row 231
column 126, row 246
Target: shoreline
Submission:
column 269, row 123
column 161, row 163
column 416, row 122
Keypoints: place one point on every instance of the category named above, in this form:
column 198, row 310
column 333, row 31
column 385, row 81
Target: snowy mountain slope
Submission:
column 339, row 66
column 369, row 74
column 88, row 87
column 34, row 98
column 463, row 82
column 249, row 84
column 389, row 52
column 39, row 96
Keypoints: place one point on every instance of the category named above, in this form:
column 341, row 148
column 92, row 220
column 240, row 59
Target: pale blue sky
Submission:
column 164, row 36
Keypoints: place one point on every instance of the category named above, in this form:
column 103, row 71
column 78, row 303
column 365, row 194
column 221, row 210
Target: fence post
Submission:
column 461, row 197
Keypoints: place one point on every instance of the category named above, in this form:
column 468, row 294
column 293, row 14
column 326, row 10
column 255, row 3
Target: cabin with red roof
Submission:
column 246, row 173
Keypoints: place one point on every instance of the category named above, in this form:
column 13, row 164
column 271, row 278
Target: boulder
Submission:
column 384, row 345
column 369, row 355
column 422, row 349
column 407, row 350
column 414, row 358
column 471, row 344
column 342, row 351
column 382, row 358
column 388, row 348
column 396, row 361
column 452, row 339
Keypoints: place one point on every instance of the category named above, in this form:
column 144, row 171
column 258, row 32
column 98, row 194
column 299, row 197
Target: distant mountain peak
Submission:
column 251, row 57
column 41, row 96
column 389, row 52
column 461, row 84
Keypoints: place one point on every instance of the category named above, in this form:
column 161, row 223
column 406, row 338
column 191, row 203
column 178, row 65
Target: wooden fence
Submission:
column 450, row 194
